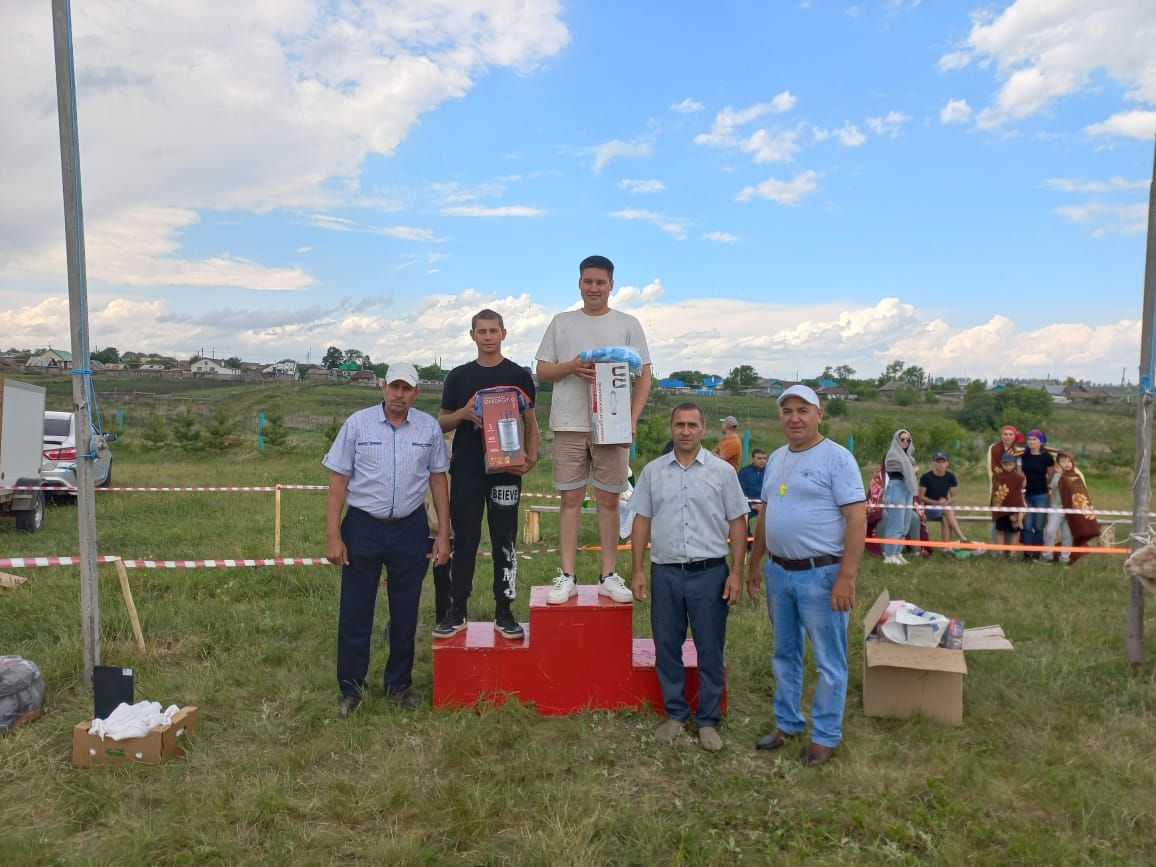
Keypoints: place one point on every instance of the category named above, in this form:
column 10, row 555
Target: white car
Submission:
column 58, row 466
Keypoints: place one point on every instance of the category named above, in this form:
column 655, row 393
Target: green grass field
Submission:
column 1055, row 762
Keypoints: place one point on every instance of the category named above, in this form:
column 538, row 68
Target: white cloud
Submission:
column 334, row 223
column 712, row 333
column 727, row 121
column 1104, row 218
column 1079, row 185
column 955, row 111
column 771, row 146
column 687, row 106
column 721, row 237
column 616, row 149
column 676, row 226
column 889, row 125
column 1044, row 50
column 278, row 109
column 850, row 135
column 500, row 211
column 305, row 248
column 139, row 246
column 642, row 186
column 1136, row 123
column 783, row 192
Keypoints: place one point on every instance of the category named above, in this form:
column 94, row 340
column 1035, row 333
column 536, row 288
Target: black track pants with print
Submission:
column 499, row 495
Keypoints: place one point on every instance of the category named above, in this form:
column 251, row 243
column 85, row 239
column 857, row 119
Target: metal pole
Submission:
column 78, row 327
column 1142, row 483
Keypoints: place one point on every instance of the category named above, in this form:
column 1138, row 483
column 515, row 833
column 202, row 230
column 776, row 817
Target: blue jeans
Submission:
column 1034, row 521
column 800, row 602
column 679, row 597
column 896, row 521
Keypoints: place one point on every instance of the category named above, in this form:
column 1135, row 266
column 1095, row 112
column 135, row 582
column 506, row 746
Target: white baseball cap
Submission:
column 805, row 392
column 402, row 371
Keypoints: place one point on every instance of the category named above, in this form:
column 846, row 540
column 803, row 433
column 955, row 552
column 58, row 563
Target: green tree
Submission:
column 913, row 376
column 333, row 358
column 906, row 396
column 432, row 372
column 844, row 373
column 232, row 362
column 379, row 370
column 693, row 378
column 275, row 434
column 743, row 376
column 892, row 371
column 108, row 355
column 222, row 432
column 354, row 356
column 185, row 430
column 155, row 433
column 835, row 407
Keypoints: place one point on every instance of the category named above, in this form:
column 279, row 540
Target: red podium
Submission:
column 576, row 656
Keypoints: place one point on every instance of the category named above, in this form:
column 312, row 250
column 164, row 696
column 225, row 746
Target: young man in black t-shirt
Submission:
column 937, row 488
column 472, row 490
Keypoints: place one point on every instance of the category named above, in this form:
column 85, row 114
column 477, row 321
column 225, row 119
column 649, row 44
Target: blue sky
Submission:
column 782, row 184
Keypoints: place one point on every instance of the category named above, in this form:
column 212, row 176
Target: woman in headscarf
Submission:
column 902, row 485
column 1037, row 466
column 1074, row 495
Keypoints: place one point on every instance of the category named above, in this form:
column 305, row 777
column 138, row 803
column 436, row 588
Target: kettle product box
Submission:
column 502, row 431
column 610, row 404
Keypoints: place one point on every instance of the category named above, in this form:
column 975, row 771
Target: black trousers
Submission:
column 499, row 495
column 400, row 547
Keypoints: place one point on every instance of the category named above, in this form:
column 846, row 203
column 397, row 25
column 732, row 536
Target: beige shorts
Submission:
column 575, row 455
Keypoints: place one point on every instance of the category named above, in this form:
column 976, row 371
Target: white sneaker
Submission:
column 893, row 560
column 614, row 587
column 565, row 587
column 900, row 559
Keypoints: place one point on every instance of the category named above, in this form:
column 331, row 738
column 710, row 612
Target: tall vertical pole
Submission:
column 1142, row 483
column 78, row 327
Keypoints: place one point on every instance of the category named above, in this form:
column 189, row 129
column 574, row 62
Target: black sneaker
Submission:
column 450, row 626
column 507, row 627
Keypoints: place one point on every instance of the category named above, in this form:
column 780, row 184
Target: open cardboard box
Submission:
column 159, row 745
column 900, row 680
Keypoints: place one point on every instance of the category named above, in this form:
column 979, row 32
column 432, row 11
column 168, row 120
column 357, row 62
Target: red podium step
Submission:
column 576, row 656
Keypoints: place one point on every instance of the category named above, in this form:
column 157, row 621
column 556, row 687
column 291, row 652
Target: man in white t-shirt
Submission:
column 576, row 458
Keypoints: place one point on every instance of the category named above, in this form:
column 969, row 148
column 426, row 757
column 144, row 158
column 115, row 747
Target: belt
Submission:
column 698, row 565
column 374, row 517
column 806, row 563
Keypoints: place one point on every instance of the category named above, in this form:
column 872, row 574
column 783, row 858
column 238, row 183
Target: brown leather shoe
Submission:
column 348, row 705
column 816, row 754
column 773, row 741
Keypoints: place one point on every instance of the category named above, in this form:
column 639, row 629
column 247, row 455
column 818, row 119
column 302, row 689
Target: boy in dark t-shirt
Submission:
column 472, row 490
column 937, row 488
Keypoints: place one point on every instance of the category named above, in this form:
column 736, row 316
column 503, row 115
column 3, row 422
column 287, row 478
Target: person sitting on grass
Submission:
column 937, row 488
column 1007, row 491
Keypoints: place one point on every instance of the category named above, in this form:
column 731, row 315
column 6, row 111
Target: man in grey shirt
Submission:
column 690, row 506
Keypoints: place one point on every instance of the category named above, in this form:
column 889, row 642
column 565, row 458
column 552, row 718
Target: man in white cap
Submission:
column 813, row 525
column 382, row 462
column 730, row 445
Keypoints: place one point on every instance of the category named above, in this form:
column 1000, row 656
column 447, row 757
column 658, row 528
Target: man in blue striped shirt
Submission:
column 382, row 462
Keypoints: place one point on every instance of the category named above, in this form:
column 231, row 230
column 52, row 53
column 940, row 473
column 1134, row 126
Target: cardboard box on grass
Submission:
column 502, row 431
column 159, row 745
column 900, row 680
column 610, row 404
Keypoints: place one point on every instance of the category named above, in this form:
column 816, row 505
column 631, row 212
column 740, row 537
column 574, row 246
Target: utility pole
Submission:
column 1142, row 485
column 78, row 327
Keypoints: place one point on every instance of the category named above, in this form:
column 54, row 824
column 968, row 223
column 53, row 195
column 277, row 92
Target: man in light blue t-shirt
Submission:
column 813, row 526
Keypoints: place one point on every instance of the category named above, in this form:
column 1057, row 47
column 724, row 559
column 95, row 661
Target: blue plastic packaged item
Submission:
column 614, row 353
column 523, row 398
